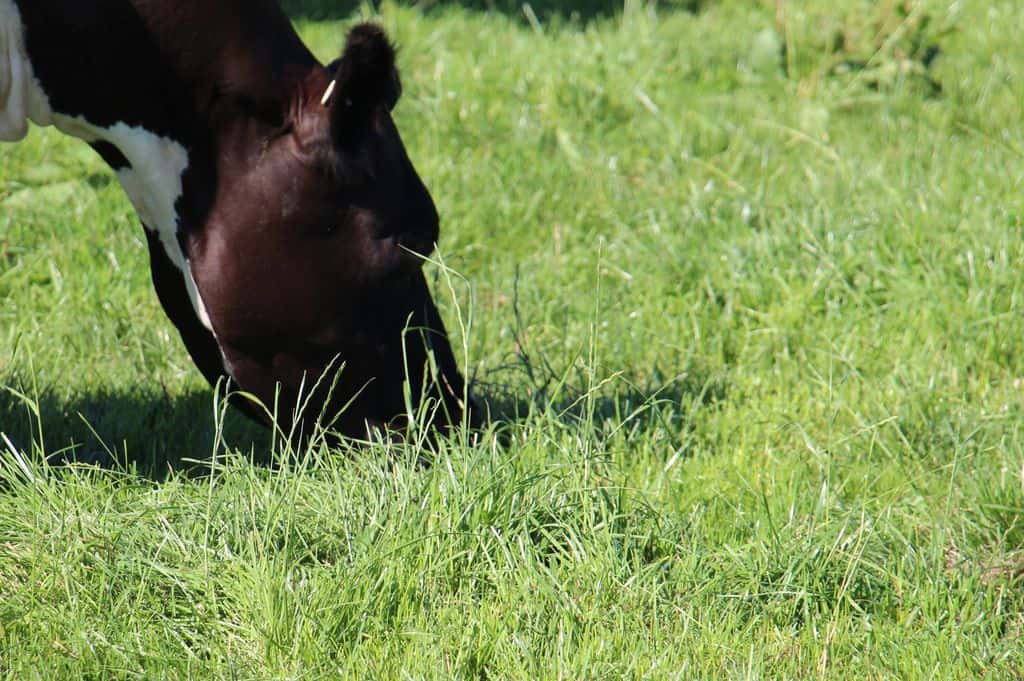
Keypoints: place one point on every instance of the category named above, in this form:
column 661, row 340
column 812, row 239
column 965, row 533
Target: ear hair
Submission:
column 363, row 78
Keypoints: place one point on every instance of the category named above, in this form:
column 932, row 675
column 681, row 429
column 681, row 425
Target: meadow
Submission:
column 741, row 283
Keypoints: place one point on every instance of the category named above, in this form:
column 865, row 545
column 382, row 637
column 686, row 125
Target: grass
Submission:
column 747, row 281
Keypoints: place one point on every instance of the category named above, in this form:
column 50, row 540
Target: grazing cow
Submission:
column 286, row 224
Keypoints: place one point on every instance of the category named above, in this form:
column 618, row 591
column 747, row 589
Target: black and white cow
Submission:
column 286, row 224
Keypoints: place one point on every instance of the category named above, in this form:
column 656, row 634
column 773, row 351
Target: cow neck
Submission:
column 148, row 90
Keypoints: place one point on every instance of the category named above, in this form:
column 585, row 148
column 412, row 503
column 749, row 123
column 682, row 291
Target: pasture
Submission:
column 742, row 284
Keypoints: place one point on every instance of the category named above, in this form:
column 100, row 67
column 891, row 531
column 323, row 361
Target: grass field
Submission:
column 744, row 281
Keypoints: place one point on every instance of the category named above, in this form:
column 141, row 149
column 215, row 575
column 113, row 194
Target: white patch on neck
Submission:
column 21, row 97
column 153, row 185
column 153, row 180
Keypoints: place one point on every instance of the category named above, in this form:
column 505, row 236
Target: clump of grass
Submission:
column 898, row 45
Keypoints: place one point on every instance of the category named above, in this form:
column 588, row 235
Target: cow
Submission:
column 285, row 223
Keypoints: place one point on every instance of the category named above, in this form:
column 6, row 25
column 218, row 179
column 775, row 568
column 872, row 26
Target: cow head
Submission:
column 311, row 254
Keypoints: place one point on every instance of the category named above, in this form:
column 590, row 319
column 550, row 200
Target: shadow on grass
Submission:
column 543, row 10
column 628, row 403
column 154, row 434
column 144, row 430
column 619, row 406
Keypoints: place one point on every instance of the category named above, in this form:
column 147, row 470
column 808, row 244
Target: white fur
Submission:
column 21, row 98
column 153, row 180
column 153, row 184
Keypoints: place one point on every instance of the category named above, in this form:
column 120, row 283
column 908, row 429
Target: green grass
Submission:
column 758, row 314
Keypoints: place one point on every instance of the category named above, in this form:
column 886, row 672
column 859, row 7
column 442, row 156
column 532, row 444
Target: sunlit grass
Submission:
column 751, row 317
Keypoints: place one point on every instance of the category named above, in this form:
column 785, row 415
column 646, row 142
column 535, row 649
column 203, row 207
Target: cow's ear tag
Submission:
column 326, row 99
column 329, row 92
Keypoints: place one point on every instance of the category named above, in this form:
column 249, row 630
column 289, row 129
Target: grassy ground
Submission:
column 751, row 279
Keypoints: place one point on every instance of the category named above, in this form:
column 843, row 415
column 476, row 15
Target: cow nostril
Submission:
column 420, row 242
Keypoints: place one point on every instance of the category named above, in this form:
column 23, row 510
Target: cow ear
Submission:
column 364, row 78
